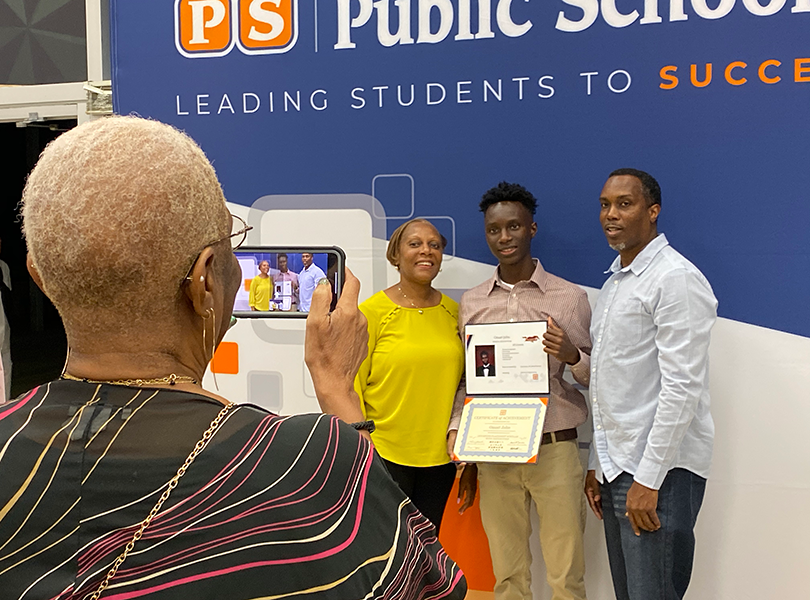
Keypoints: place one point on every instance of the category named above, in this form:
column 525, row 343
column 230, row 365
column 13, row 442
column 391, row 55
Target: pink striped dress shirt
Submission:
column 544, row 295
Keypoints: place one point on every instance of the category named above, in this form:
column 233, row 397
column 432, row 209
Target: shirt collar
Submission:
column 643, row 258
column 539, row 277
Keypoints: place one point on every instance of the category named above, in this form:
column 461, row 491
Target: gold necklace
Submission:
column 201, row 445
column 409, row 300
column 168, row 380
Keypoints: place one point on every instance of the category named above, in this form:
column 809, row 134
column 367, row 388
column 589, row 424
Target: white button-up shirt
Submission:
column 308, row 278
column 650, row 368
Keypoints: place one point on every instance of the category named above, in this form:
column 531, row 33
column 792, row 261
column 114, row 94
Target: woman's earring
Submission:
column 208, row 313
column 211, row 313
column 67, row 359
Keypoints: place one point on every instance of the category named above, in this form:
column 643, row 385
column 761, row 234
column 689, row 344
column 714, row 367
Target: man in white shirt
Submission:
column 649, row 389
column 308, row 278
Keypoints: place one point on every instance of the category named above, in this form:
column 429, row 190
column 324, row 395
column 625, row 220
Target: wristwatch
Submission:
column 364, row 426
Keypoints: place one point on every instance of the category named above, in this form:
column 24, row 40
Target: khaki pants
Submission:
column 555, row 483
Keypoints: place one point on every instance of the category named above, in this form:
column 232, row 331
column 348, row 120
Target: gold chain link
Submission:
column 172, row 379
column 163, row 497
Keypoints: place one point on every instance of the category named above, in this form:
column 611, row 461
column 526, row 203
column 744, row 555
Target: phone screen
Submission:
column 279, row 282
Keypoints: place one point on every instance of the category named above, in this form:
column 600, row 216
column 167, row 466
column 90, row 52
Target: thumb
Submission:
column 351, row 291
column 321, row 299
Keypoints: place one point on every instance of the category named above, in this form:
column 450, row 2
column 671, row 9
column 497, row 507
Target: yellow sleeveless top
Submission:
column 261, row 292
column 409, row 378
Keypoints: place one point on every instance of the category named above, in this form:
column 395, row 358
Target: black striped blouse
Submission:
column 274, row 507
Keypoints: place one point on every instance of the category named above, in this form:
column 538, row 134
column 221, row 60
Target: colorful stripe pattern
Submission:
column 274, row 507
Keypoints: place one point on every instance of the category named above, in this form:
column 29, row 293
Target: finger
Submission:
column 645, row 522
column 592, row 502
column 597, row 501
column 351, row 290
column 633, row 523
column 655, row 521
column 552, row 324
column 321, row 300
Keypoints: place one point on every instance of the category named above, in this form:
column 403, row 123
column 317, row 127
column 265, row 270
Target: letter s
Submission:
column 262, row 15
column 360, row 99
column 590, row 10
column 668, row 74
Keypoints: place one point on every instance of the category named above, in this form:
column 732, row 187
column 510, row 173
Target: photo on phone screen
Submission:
column 279, row 281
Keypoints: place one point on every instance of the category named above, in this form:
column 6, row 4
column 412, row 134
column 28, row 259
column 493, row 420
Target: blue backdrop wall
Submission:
column 710, row 96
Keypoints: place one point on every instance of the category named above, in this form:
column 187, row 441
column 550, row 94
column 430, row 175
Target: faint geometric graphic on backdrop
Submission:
column 42, row 41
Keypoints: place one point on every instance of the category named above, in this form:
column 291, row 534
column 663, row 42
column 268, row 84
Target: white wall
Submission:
column 753, row 532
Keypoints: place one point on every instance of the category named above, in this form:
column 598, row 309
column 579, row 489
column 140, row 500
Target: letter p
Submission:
column 203, row 27
column 346, row 23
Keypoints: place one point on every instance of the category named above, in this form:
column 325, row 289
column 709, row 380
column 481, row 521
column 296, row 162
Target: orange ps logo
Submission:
column 208, row 28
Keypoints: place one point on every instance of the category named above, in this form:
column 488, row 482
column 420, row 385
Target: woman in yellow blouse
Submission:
column 415, row 360
column 261, row 288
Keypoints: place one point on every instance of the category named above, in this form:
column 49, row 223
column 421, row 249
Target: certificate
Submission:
column 503, row 430
column 506, row 358
column 284, row 293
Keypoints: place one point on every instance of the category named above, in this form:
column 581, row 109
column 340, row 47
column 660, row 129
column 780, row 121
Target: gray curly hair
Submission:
column 114, row 213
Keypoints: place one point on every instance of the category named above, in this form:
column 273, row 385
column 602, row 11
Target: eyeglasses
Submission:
column 238, row 235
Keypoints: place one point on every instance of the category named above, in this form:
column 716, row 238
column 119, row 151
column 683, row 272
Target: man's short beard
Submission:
column 618, row 247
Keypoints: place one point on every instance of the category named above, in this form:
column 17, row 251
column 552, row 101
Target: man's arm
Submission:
column 683, row 315
column 571, row 345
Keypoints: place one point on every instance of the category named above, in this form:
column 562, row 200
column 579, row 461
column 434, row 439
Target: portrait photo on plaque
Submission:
column 485, row 361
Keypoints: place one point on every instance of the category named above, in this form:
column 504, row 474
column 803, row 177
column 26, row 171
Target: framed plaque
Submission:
column 506, row 358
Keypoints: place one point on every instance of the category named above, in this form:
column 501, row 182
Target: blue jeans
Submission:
column 657, row 565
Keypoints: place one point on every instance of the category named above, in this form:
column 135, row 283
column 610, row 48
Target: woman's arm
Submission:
column 335, row 346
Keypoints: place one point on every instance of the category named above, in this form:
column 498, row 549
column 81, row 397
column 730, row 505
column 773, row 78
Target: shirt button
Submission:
column 511, row 320
column 599, row 427
column 599, row 340
column 605, row 311
column 616, row 282
column 514, row 295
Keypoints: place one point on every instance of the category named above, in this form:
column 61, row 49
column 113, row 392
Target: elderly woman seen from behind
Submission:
column 125, row 478
column 415, row 360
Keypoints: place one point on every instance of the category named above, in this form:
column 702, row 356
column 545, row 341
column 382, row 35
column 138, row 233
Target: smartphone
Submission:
column 278, row 281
